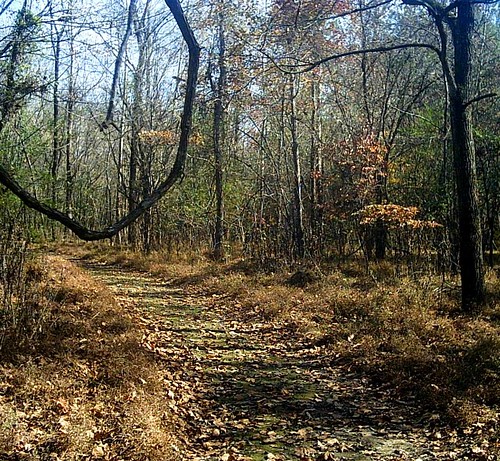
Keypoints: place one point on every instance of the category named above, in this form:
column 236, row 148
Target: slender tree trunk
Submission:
column 298, row 206
column 56, row 132
column 260, row 226
column 69, row 134
column 147, row 220
column 56, row 148
column 283, row 239
column 136, row 168
column 364, row 76
column 218, row 138
column 380, row 231
column 121, row 191
column 56, row 135
column 316, row 172
column 133, row 196
column 119, row 60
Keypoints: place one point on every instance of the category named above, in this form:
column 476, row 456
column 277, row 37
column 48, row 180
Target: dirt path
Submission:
column 255, row 392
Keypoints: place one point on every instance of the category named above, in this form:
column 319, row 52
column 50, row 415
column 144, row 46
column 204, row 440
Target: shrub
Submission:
column 22, row 309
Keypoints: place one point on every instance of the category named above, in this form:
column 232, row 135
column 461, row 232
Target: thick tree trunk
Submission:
column 471, row 254
column 459, row 84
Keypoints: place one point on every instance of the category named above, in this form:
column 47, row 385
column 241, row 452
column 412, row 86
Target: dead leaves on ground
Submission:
column 251, row 389
column 89, row 391
column 210, row 384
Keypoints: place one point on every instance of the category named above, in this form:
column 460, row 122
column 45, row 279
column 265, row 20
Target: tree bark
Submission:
column 298, row 206
column 118, row 63
column 133, row 195
column 218, row 137
column 69, row 135
column 464, row 155
column 459, row 84
column 55, row 159
column 316, row 171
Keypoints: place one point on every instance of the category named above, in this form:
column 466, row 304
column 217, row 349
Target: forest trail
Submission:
column 255, row 391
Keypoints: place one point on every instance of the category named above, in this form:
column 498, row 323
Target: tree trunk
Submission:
column 133, row 196
column 218, row 138
column 316, row 167
column 471, row 255
column 69, row 130
column 7, row 108
column 381, row 232
column 136, row 166
column 298, row 206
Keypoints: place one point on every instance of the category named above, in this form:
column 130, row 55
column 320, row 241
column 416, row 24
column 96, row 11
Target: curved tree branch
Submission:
column 357, row 10
column 306, row 67
column 175, row 173
column 480, row 98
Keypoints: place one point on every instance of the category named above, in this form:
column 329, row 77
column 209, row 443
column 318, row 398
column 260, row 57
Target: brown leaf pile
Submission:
column 87, row 389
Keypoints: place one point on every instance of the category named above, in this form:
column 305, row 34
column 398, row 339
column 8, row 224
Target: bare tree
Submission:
column 220, row 89
column 176, row 172
column 457, row 19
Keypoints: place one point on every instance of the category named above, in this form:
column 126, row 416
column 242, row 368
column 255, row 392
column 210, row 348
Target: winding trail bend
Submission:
column 254, row 391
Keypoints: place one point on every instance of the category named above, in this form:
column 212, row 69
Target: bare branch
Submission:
column 5, row 7
column 358, row 10
column 382, row 49
column 480, row 98
column 434, row 9
column 118, row 63
column 450, row 7
column 340, row 15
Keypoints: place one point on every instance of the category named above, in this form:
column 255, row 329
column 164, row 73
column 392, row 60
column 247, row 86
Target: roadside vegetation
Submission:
column 407, row 332
column 76, row 383
column 326, row 172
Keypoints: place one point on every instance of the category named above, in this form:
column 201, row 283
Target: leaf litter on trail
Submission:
column 254, row 390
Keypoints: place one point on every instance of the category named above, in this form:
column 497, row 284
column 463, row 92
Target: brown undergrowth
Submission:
column 407, row 333
column 85, row 388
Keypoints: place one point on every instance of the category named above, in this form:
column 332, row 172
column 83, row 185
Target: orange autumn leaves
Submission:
column 168, row 138
column 394, row 216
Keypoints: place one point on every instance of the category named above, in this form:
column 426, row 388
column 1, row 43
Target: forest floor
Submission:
column 259, row 390
column 235, row 386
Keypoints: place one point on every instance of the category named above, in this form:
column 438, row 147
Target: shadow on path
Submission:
column 265, row 395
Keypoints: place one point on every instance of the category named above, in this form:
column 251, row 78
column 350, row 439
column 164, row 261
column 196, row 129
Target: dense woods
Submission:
column 318, row 130
column 297, row 204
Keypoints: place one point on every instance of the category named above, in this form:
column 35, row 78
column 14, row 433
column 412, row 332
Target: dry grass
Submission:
column 407, row 333
column 86, row 389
